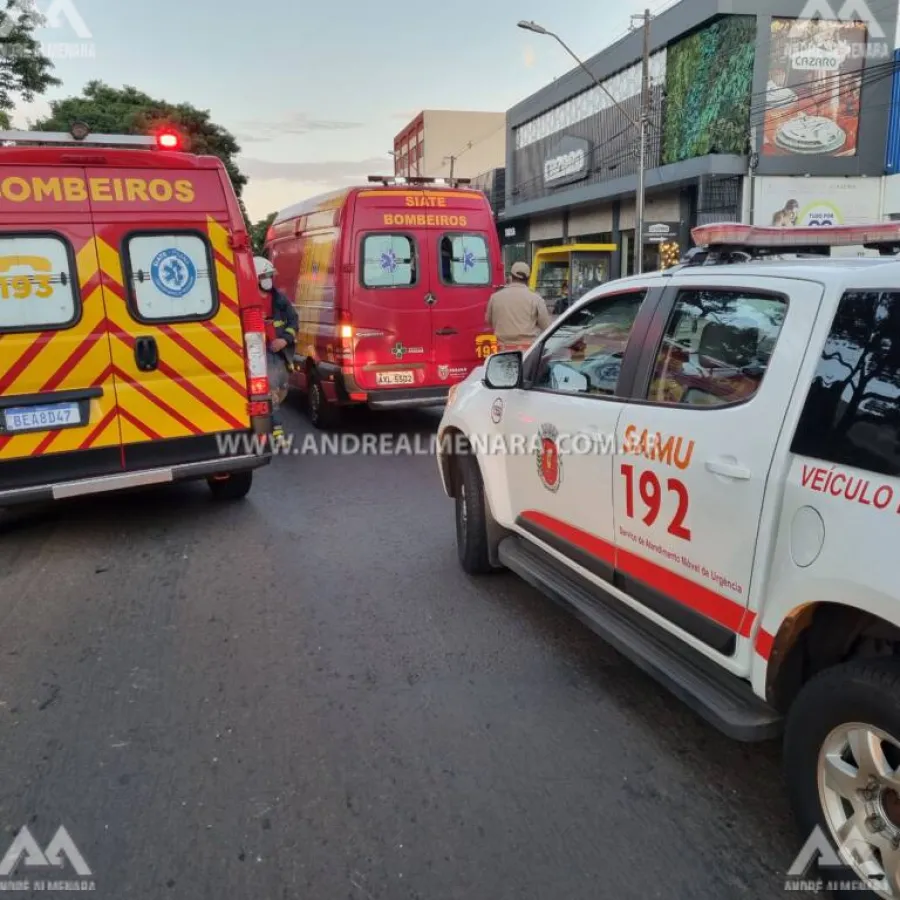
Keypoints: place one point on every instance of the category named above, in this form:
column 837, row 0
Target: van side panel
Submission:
column 171, row 295
column 57, row 362
column 304, row 250
column 315, row 299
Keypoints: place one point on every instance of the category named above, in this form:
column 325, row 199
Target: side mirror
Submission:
column 503, row 371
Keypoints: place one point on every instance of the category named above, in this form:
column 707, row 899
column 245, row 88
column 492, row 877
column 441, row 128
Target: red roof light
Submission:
column 168, row 140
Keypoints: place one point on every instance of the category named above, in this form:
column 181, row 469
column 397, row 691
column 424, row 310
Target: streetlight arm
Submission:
column 594, row 79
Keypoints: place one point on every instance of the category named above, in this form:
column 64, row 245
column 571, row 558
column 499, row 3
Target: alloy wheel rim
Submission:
column 859, row 790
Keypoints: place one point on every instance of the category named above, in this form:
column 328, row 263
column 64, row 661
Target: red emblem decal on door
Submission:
column 549, row 464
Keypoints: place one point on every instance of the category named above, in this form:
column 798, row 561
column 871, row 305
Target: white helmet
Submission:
column 264, row 269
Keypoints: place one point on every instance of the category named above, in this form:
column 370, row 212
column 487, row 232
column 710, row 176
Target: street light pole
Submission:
column 640, row 124
column 645, row 104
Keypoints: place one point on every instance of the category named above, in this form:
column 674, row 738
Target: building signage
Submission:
column 512, row 234
column 660, row 232
column 568, row 162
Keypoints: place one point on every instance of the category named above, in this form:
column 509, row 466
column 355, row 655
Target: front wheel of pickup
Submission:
column 842, row 764
column 471, row 517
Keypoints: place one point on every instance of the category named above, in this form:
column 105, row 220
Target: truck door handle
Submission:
column 446, row 331
column 728, row 470
column 146, row 354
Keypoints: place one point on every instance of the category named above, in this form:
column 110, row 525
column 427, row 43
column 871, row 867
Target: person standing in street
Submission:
column 516, row 314
column 281, row 337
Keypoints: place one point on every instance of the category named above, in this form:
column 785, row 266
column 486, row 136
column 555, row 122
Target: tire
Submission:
column 235, row 487
column 856, row 693
column 322, row 414
column 471, row 517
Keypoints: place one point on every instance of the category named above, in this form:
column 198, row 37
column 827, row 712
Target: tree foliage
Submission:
column 127, row 110
column 24, row 70
column 258, row 232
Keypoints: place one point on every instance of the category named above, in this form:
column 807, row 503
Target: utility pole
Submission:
column 452, row 161
column 642, row 152
column 751, row 180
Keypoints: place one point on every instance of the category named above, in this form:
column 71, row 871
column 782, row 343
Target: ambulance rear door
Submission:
column 468, row 269
column 57, row 395
column 167, row 269
column 391, row 296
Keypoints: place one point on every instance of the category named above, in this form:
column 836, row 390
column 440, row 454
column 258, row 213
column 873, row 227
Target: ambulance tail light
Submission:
column 348, row 345
column 255, row 343
column 349, row 336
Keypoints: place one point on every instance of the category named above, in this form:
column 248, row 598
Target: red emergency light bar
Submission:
column 755, row 240
column 80, row 135
column 417, row 180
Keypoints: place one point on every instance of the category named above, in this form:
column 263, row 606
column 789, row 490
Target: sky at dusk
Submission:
column 315, row 92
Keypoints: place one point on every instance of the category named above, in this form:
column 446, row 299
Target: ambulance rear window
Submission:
column 170, row 277
column 389, row 261
column 37, row 283
column 464, row 260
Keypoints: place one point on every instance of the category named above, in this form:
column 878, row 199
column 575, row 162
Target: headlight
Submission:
column 451, row 395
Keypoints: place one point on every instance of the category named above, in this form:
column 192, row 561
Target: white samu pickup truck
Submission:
column 736, row 537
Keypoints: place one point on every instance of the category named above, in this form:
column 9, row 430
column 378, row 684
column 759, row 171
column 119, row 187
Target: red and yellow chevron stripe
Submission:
column 200, row 386
column 65, row 360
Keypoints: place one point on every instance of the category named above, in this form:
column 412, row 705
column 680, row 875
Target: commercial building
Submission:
column 439, row 143
column 762, row 111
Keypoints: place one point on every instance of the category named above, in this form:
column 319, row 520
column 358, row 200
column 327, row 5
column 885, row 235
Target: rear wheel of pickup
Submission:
column 471, row 518
column 842, row 763
column 231, row 487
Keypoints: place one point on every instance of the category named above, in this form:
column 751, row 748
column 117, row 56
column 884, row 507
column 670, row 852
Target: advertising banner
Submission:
column 802, row 202
column 813, row 91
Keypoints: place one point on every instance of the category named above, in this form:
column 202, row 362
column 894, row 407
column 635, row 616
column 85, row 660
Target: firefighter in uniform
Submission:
column 516, row 314
column 281, row 337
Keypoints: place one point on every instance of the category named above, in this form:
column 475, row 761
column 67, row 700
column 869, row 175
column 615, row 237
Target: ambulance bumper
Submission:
column 418, row 398
column 348, row 390
column 83, row 487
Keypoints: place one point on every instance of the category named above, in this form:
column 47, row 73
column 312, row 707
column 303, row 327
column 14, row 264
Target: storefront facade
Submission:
column 747, row 97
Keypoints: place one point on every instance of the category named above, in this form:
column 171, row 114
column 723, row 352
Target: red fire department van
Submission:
column 391, row 283
column 132, row 343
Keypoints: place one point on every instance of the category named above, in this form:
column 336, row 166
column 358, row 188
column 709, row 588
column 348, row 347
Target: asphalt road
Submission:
column 302, row 696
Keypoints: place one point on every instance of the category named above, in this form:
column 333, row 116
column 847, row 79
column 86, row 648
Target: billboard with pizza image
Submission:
column 813, row 91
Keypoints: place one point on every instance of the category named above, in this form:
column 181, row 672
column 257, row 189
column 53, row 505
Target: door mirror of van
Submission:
column 504, row 371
